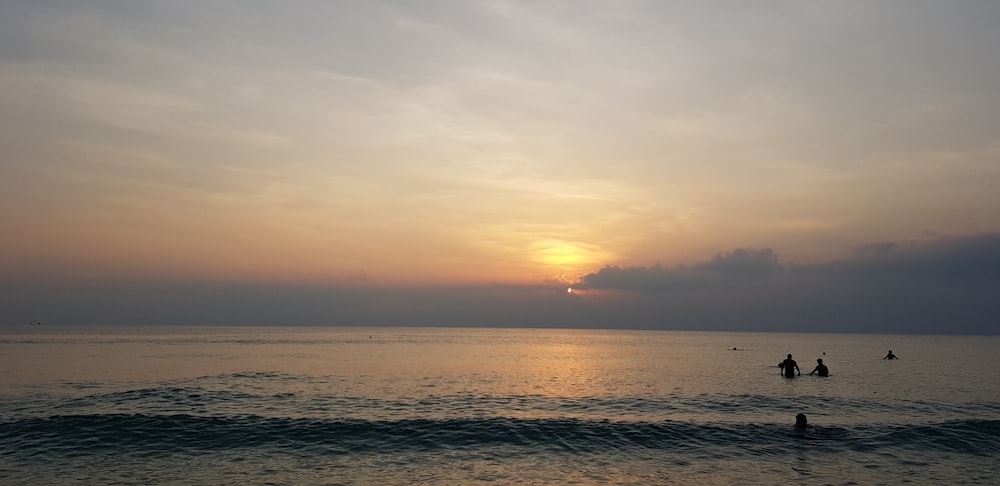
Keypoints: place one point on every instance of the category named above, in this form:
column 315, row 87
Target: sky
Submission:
column 820, row 166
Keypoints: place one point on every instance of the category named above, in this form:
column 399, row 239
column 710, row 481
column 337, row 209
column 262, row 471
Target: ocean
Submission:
column 279, row 405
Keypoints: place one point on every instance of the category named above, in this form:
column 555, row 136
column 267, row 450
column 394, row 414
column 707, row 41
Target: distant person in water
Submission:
column 820, row 369
column 789, row 367
column 890, row 355
column 801, row 423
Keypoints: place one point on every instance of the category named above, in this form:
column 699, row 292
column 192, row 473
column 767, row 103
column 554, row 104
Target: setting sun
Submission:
column 571, row 258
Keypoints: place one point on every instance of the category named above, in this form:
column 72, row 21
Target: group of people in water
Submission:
column 789, row 368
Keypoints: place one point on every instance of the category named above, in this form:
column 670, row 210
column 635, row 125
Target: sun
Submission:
column 556, row 257
column 561, row 256
column 559, row 253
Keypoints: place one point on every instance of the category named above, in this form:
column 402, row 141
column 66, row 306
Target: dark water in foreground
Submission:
column 460, row 406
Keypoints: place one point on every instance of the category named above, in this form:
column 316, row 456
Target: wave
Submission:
column 317, row 398
column 151, row 435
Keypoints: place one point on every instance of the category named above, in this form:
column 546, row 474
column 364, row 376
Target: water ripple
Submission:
column 150, row 435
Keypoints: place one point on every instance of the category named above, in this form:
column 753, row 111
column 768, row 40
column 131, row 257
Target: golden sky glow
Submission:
column 484, row 142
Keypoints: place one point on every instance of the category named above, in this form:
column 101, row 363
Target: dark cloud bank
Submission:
column 942, row 286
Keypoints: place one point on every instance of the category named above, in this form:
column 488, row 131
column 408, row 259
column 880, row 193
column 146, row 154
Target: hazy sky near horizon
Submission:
column 403, row 148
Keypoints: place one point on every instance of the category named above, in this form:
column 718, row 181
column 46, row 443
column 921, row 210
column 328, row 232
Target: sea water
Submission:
column 171, row 405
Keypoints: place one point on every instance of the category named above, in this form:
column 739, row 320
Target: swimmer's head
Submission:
column 800, row 419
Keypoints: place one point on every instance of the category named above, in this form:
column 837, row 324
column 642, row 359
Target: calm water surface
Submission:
column 459, row 406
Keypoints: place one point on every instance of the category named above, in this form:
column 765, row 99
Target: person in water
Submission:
column 820, row 368
column 789, row 367
column 801, row 423
column 890, row 355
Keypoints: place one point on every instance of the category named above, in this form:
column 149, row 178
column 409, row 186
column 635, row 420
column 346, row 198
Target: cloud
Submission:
column 942, row 285
column 501, row 142
column 737, row 266
column 970, row 261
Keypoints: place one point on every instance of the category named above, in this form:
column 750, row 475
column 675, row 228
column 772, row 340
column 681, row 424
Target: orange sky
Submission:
column 483, row 142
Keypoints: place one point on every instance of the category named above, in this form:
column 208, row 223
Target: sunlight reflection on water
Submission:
column 511, row 405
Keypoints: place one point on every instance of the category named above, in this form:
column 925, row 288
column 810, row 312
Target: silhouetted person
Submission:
column 890, row 355
column 789, row 366
column 820, row 369
column 801, row 423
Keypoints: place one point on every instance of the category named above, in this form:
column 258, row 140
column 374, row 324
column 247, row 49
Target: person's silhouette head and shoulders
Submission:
column 802, row 423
